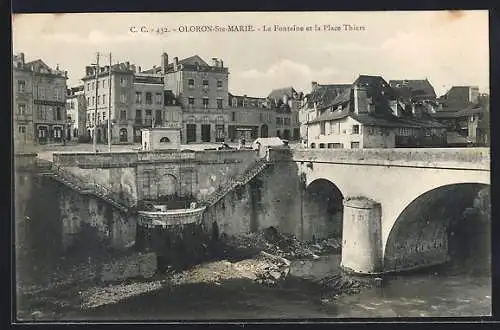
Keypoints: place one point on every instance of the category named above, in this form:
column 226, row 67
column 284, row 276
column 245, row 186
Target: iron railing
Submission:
column 248, row 175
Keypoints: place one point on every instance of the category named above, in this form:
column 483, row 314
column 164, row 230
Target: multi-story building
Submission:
column 418, row 96
column 320, row 98
column 250, row 118
column 39, row 102
column 466, row 116
column 459, row 97
column 287, row 104
column 76, row 114
column 367, row 114
column 202, row 91
column 98, row 88
column 135, row 100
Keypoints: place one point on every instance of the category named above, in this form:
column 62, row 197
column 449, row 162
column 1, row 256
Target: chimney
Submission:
column 127, row 65
column 221, row 63
column 356, row 101
column 215, row 62
column 314, row 85
column 164, row 62
column 176, row 61
column 21, row 55
column 133, row 68
column 139, row 69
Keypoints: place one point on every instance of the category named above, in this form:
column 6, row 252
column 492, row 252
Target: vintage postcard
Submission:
column 242, row 166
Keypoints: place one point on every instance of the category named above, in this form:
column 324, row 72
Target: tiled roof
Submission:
column 324, row 95
column 278, row 93
column 192, row 60
column 383, row 121
column 457, row 113
column 414, row 88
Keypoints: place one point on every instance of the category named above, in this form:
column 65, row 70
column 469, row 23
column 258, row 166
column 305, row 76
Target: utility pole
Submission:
column 96, row 99
column 109, row 106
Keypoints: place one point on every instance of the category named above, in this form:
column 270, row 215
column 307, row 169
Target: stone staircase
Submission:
column 248, row 175
column 47, row 168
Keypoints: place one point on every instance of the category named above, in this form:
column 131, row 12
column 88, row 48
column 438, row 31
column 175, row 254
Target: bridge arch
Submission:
column 449, row 221
column 322, row 210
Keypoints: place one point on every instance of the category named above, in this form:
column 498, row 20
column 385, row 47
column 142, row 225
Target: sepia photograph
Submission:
column 246, row 166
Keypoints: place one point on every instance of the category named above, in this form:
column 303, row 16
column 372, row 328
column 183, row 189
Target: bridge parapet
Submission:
column 170, row 218
column 459, row 158
column 92, row 160
column 25, row 161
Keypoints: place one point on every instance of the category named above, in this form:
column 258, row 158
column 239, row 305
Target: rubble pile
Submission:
column 283, row 245
column 341, row 284
column 263, row 269
column 98, row 296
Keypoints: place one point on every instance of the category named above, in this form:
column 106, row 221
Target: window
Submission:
column 205, row 102
column 355, row 129
column 279, row 121
column 93, row 85
column 287, row 121
column 164, row 140
column 22, row 129
column 104, row 99
column 88, row 117
column 123, row 97
column 93, row 100
column 234, row 102
column 158, row 98
column 205, row 83
column 354, row 145
column 104, row 116
column 123, row 114
column 261, row 117
column 22, row 109
column 322, row 128
column 322, row 146
column 158, row 117
column 88, row 86
column 191, row 101
column 149, row 113
column 219, row 83
column 219, row 103
column 149, row 98
column 123, row 81
column 191, row 83
column 123, row 135
column 138, row 97
column 233, row 116
column 104, row 83
column 58, row 94
column 21, row 86
column 138, row 116
column 98, row 99
column 88, row 99
column 313, row 145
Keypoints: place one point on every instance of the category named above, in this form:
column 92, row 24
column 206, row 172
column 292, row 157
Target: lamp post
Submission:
column 96, row 65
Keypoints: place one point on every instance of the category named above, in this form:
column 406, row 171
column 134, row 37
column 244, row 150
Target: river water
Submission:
column 452, row 290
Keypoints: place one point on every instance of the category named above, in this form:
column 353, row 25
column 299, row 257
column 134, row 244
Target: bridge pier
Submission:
column 362, row 239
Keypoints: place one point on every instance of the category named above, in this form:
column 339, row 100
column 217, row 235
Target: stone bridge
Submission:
column 392, row 207
column 391, row 199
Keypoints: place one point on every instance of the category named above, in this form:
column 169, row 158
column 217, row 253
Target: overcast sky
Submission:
column 448, row 48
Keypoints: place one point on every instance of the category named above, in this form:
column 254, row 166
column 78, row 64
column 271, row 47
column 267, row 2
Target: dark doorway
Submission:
column 286, row 134
column 264, row 131
column 190, row 133
column 205, row 132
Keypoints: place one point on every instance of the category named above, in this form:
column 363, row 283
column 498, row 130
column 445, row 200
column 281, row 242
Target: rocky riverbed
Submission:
column 265, row 258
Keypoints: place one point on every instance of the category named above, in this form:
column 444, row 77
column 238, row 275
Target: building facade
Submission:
column 76, row 114
column 287, row 103
column 201, row 90
column 250, row 118
column 368, row 114
column 39, row 102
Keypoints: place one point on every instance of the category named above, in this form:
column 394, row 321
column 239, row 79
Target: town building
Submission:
column 135, row 101
column 202, row 92
column 367, row 114
column 39, row 102
column 250, row 118
column 76, row 114
column 465, row 112
column 418, row 96
column 287, row 103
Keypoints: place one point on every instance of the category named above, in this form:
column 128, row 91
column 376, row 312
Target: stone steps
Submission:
column 244, row 179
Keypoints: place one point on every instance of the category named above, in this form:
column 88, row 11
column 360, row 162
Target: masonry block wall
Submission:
column 87, row 220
